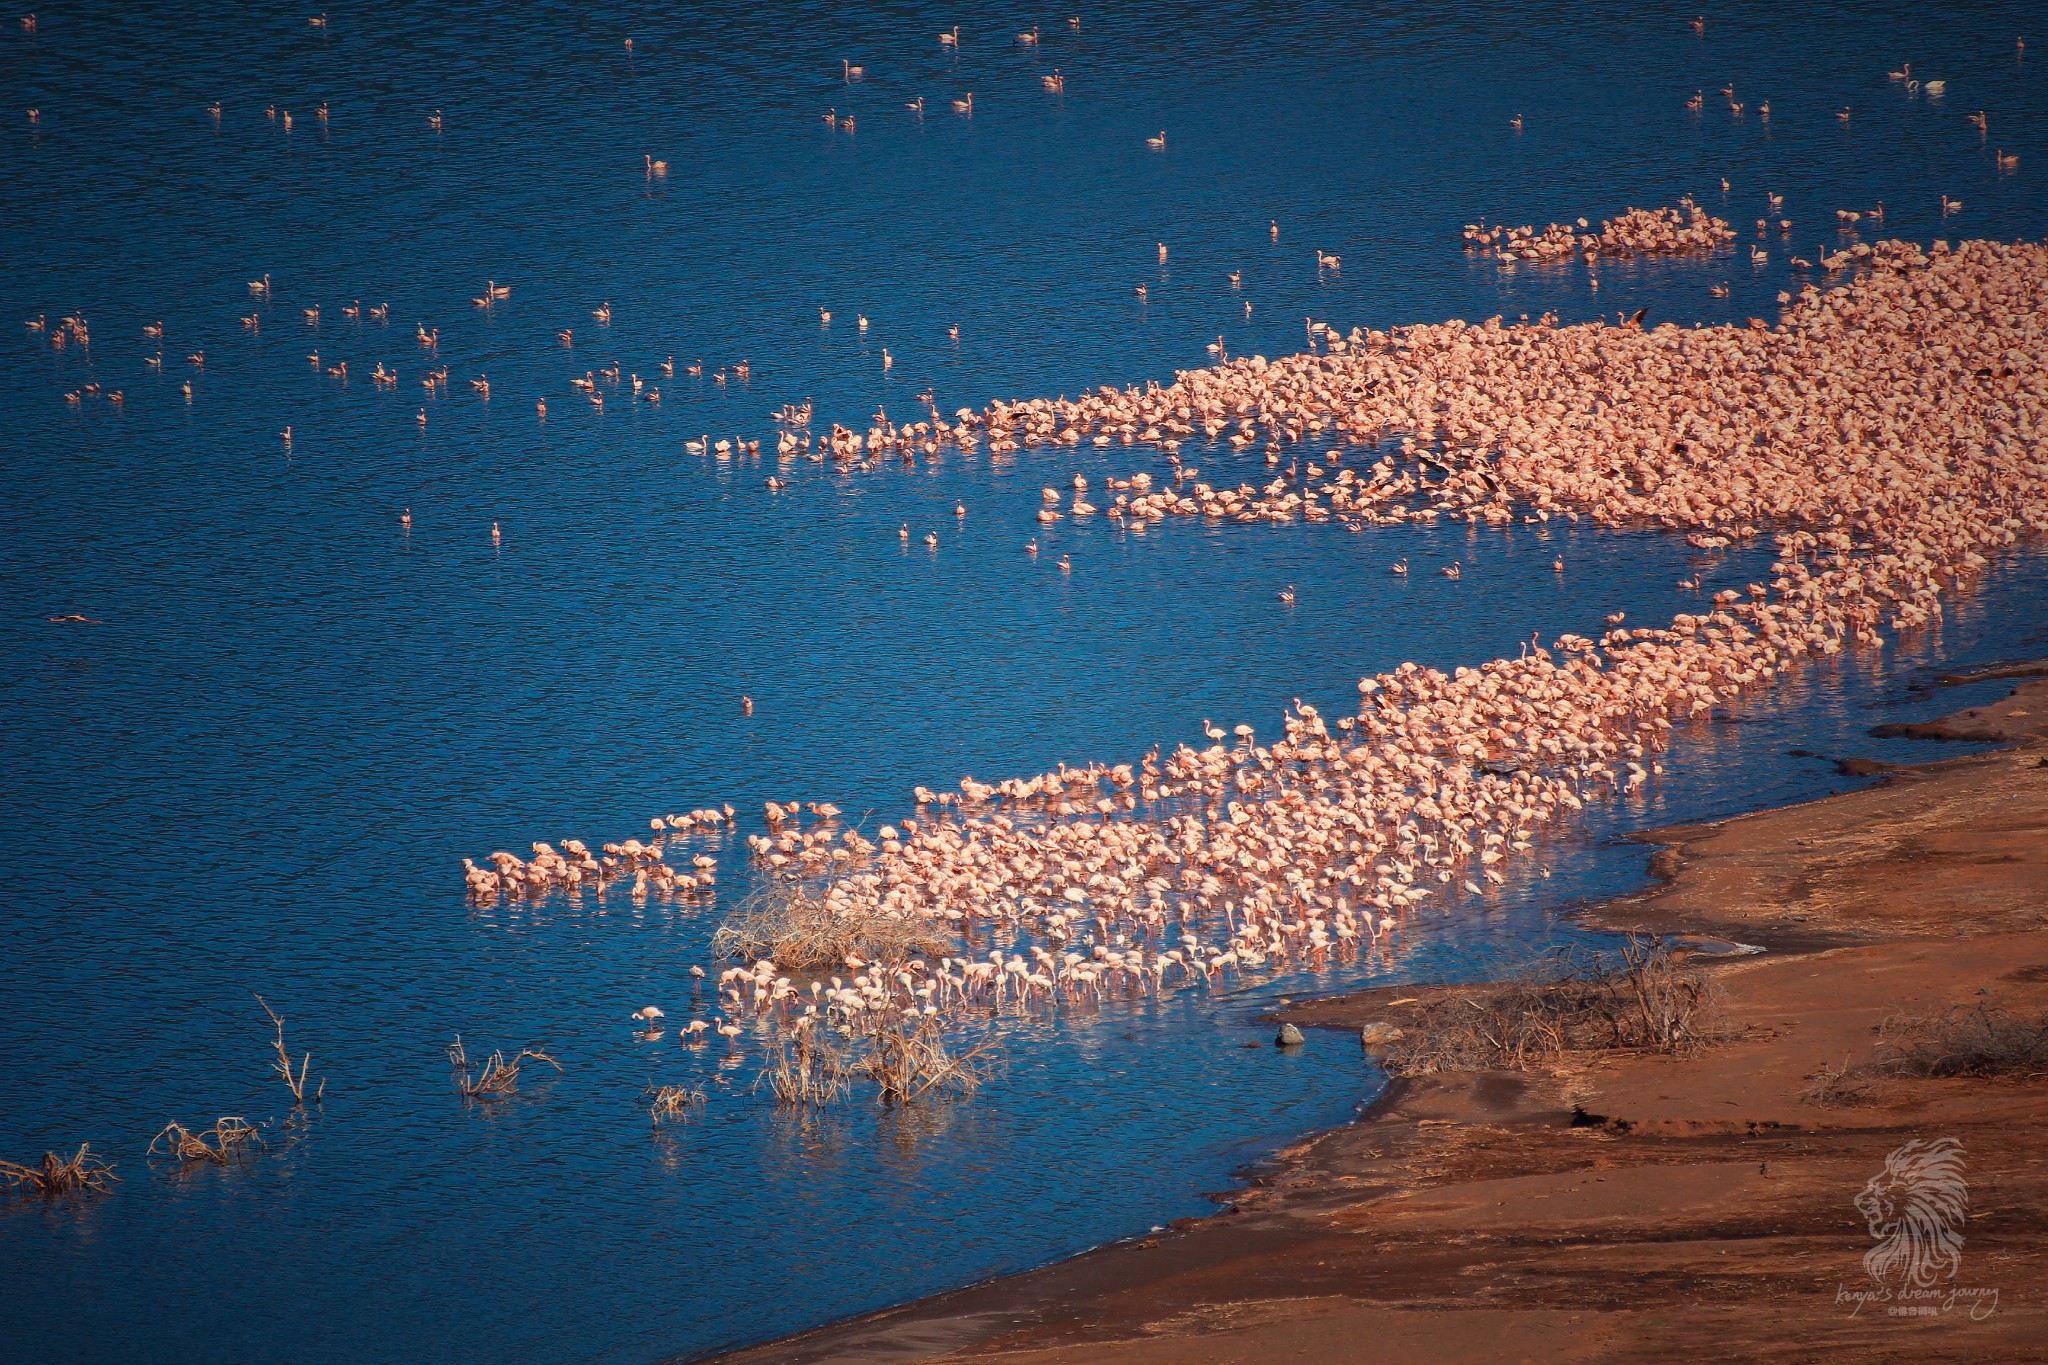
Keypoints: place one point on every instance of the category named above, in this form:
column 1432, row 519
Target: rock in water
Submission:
column 1378, row 1033
column 1290, row 1036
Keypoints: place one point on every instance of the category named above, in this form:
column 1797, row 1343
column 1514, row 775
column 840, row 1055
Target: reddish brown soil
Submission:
column 1700, row 1207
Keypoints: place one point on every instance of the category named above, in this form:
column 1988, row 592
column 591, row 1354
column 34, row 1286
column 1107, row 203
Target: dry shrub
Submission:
column 499, row 1078
column 668, row 1103
column 1983, row 1040
column 230, row 1137
column 906, row 1059
column 1833, row 1084
column 458, row 1055
column 82, row 1173
column 810, row 1069
column 909, row 1061
column 1637, row 999
column 784, row 920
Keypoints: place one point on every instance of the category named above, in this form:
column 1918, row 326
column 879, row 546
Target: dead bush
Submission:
column 1980, row 1040
column 907, row 1060
column 499, row 1078
column 82, row 1173
column 1839, row 1085
column 1636, row 998
column 809, row 1070
column 229, row 1137
column 783, row 919
column 669, row 1103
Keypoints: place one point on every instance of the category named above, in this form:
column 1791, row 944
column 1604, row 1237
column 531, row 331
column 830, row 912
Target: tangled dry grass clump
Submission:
column 809, row 1069
column 1638, row 999
column 1836, row 1085
column 230, row 1137
column 906, row 1059
column 1982, row 1040
column 81, row 1173
column 670, row 1103
column 786, row 921
column 499, row 1078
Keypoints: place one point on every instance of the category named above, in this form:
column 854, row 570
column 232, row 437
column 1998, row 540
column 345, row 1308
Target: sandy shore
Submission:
column 1625, row 1206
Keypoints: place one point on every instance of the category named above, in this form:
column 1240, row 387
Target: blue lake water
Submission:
column 261, row 771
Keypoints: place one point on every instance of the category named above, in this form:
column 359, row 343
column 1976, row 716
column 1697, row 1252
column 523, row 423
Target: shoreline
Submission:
column 1621, row 1204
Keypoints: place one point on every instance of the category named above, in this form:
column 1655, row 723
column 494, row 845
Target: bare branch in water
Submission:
column 282, row 1064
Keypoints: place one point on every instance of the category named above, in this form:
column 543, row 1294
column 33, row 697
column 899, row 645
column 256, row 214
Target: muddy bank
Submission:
column 1623, row 1206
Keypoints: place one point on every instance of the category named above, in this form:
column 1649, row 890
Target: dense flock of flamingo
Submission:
column 1890, row 434
column 1887, row 432
column 1636, row 232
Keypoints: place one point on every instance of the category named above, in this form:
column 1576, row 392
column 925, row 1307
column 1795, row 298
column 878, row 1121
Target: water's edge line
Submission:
column 1656, row 840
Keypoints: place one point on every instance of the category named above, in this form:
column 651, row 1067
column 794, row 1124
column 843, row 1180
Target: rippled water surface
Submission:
column 260, row 771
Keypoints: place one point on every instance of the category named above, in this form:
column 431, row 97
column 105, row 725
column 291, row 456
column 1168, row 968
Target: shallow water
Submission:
column 260, row 773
